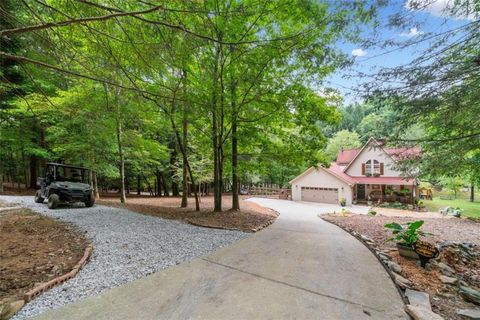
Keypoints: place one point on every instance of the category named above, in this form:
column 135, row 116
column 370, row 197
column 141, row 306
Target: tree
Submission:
column 343, row 139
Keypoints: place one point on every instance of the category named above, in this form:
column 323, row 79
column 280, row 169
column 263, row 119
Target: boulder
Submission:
column 470, row 294
column 401, row 281
column 473, row 314
column 417, row 298
column 421, row 313
column 445, row 269
column 448, row 280
column 395, row 267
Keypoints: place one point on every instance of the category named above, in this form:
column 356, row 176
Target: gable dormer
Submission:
column 371, row 160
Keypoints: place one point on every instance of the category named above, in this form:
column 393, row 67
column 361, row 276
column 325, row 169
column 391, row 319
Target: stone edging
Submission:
column 56, row 281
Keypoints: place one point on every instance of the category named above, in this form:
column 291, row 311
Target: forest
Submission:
column 213, row 96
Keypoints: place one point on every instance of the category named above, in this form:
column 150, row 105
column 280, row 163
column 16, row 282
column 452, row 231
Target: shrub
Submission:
column 343, row 202
column 406, row 234
column 372, row 213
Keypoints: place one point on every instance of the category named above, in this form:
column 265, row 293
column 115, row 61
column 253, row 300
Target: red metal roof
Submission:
column 346, row 156
column 336, row 170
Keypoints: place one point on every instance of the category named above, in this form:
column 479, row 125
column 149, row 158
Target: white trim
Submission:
column 324, row 169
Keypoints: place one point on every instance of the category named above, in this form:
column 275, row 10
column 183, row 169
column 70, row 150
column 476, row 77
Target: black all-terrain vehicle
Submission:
column 65, row 184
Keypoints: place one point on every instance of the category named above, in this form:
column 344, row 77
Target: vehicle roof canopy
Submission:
column 65, row 165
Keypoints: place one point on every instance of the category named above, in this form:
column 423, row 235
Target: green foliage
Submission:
column 406, row 234
column 343, row 139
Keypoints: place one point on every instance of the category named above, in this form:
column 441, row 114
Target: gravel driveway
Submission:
column 127, row 246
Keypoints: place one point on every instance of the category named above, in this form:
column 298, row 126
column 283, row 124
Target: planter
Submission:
column 407, row 252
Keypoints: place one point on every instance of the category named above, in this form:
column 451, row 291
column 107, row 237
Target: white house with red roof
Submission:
column 359, row 175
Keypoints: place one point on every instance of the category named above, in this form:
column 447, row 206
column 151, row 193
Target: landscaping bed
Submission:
column 250, row 218
column 458, row 262
column 34, row 249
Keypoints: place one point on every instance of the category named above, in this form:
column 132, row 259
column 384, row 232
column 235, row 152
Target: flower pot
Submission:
column 407, row 252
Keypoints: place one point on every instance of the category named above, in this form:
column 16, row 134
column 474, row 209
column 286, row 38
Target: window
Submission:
column 376, row 167
column 373, row 168
column 368, row 168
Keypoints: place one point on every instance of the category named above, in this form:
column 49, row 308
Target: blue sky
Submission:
column 431, row 20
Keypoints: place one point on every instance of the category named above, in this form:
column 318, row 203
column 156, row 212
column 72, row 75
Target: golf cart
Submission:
column 64, row 184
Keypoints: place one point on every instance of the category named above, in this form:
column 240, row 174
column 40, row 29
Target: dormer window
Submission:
column 372, row 168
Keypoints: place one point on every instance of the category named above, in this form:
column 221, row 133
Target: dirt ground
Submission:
column 444, row 298
column 34, row 249
column 250, row 218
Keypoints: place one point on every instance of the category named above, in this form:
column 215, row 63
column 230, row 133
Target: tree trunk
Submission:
column 184, row 157
column 138, row 184
column 472, row 193
column 33, row 172
column 1, row 175
column 235, row 200
column 95, row 185
column 173, row 160
column 217, row 177
column 123, row 197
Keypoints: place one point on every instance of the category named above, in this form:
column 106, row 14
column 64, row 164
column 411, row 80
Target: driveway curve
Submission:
column 301, row 267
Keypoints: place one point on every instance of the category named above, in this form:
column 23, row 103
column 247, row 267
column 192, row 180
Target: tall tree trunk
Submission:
column 472, row 192
column 173, row 160
column 123, row 197
column 217, row 177
column 184, row 157
column 95, row 185
column 1, row 175
column 33, row 172
column 235, row 200
column 138, row 184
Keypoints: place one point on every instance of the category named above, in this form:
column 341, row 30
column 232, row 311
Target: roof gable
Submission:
column 369, row 142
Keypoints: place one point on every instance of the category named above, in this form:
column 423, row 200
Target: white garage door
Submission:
column 325, row 195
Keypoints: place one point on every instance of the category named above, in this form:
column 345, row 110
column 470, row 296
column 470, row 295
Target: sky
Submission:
column 369, row 60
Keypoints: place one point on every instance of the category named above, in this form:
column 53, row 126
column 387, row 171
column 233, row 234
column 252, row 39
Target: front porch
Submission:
column 380, row 193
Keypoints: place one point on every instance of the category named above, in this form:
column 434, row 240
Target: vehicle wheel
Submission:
column 90, row 202
column 38, row 197
column 53, row 201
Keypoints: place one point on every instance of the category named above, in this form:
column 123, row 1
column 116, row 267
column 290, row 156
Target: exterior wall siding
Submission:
column 372, row 153
column 321, row 179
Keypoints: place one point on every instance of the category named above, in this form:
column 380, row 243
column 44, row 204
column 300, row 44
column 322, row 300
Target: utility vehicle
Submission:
column 65, row 184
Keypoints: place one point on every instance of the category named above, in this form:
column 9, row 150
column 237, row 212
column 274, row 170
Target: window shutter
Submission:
column 381, row 168
column 363, row 168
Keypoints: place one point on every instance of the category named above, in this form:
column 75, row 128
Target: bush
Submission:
column 372, row 213
column 406, row 234
column 343, row 202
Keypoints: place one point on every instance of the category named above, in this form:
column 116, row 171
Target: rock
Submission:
column 421, row 313
column 365, row 238
column 401, row 281
column 417, row 298
column 384, row 256
column 473, row 314
column 470, row 294
column 8, row 309
column 395, row 267
column 448, row 280
column 445, row 269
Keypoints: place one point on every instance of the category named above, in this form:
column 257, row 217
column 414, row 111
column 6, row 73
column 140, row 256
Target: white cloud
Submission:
column 440, row 8
column 359, row 52
column 412, row 33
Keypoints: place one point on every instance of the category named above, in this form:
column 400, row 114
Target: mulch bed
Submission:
column 445, row 299
column 250, row 218
column 35, row 249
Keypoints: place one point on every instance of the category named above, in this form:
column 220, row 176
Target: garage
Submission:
column 316, row 194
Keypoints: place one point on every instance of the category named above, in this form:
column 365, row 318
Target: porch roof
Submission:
column 384, row 180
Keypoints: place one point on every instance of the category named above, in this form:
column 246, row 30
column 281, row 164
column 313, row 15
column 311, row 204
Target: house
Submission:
column 359, row 175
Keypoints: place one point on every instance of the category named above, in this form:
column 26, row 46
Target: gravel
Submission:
column 127, row 246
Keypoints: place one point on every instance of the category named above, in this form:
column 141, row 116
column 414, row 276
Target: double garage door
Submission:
column 325, row 195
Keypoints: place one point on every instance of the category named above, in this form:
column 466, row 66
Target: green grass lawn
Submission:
column 470, row 209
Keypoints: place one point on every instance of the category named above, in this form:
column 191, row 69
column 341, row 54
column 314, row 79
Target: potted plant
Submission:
column 406, row 236
column 343, row 202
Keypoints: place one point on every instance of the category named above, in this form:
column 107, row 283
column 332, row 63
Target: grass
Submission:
column 470, row 209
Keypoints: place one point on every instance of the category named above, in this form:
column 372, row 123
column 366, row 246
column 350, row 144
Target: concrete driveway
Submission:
column 301, row 267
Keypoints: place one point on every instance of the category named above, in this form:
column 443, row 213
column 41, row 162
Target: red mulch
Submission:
column 250, row 218
column 444, row 299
